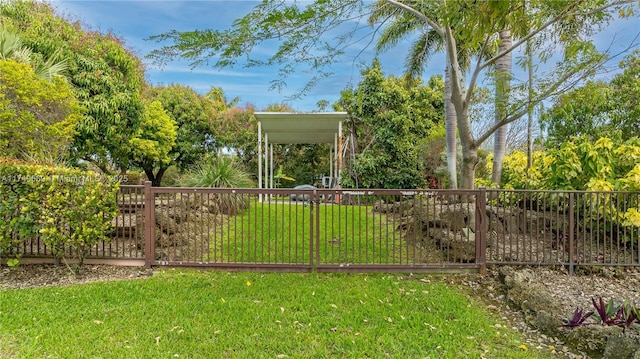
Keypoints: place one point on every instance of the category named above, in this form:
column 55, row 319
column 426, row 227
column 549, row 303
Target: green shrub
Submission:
column 221, row 172
column 171, row 177
column 69, row 209
column 218, row 172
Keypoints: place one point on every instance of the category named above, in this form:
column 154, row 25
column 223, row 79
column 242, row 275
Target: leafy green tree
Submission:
column 195, row 128
column 406, row 26
column 598, row 108
column 37, row 116
column 626, row 92
column 387, row 121
column 150, row 148
column 239, row 137
column 580, row 112
column 301, row 32
column 106, row 79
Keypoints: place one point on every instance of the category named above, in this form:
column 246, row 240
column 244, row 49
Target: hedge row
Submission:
column 67, row 208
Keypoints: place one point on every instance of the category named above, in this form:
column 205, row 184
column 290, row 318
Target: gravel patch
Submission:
column 565, row 291
column 42, row 275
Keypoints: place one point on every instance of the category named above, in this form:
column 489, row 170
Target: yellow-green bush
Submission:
column 581, row 164
column 66, row 207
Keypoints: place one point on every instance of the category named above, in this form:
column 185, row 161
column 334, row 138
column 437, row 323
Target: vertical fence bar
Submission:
column 481, row 230
column 314, row 238
column 149, row 225
column 571, row 232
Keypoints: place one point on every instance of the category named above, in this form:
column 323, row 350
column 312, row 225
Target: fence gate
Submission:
column 307, row 230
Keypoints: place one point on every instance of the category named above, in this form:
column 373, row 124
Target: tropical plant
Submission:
column 387, row 122
column 221, row 172
column 578, row 318
column 609, row 313
column 12, row 48
column 405, row 26
column 218, row 172
column 578, row 164
column 37, row 117
column 281, row 176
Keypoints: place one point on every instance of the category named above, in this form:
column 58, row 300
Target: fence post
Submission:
column 316, row 235
column 571, row 232
column 481, row 229
column 149, row 225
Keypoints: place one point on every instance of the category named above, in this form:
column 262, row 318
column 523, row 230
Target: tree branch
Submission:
column 437, row 28
column 524, row 107
column 528, row 36
column 476, row 73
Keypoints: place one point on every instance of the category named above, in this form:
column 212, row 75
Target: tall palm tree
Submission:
column 422, row 50
column 405, row 24
column 502, row 80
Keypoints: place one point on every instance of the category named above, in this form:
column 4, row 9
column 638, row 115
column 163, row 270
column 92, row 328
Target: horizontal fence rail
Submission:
column 368, row 230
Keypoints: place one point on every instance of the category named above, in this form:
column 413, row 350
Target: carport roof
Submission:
column 301, row 127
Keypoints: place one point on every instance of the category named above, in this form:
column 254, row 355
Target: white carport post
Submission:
column 338, row 172
column 333, row 148
column 334, row 164
column 260, row 159
column 338, row 160
column 266, row 161
column 270, row 167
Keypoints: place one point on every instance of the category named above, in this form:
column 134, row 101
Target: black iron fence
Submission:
column 369, row 230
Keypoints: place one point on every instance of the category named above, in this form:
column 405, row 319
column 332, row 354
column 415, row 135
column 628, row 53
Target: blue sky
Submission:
column 134, row 21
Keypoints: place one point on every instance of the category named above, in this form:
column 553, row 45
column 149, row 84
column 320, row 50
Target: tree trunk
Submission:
column 156, row 179
column 469, row 163
column 530, row 108
column 502, row 87
column 159, row 176
column 450, row 125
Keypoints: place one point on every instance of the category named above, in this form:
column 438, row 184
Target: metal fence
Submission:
column 369, row 230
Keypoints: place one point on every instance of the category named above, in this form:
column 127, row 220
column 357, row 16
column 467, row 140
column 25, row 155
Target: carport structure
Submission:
column 298, row 128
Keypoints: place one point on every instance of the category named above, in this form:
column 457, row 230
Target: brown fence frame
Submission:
column 315, row 263
column 554, row 236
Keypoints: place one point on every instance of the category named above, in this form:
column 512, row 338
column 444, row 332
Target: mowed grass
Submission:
column 207, row 314
column 278, row 232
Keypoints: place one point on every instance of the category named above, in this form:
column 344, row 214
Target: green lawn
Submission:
column 209, row 314
column 280, row 233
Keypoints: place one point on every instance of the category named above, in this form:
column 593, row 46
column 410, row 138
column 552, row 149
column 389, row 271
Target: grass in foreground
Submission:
column 190, row 314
